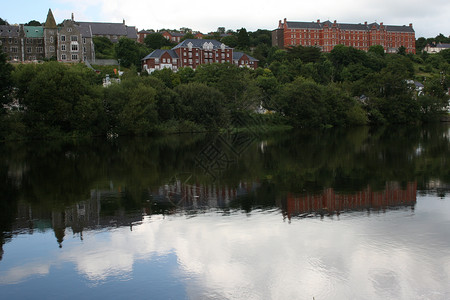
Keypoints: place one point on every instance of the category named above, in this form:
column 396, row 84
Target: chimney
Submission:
column 381, row 24
column 365, row 23
column 123, row 22
column 279, row 24
column 318, row 21
column 334, row 22
column 410, row 25
column 72, row 17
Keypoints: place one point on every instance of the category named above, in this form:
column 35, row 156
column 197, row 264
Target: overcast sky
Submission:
column 429, row 18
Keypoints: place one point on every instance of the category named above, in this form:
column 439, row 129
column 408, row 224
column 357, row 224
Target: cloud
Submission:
column 202, row 15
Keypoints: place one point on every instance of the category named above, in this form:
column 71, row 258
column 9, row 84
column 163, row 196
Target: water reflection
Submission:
column 334, row 214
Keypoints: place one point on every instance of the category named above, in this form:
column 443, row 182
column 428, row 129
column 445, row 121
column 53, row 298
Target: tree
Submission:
column 306, row 54
column 33, row 23
column 230, row 40
column 5, row 80
column 130, row 52
column 3, row 22
column 156, row 41
column 401, row 50
column 104, row 48
column 203, row 105
column 243, row 39
column 377, row 49
column 188, row 36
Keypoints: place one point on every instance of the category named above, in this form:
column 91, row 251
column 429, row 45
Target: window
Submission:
column 156, row 60
column 184, row 60
column 29, row 41
column 74, row 56
column 52, row 48
column 63, row 38
column 14, row 49
column 51, row 39
column 84, row 49
column 63, row 47
column 28, row 49
column 10, row 40
column 40, row 49
column 63, row 57
column 39, row 41
column 168, row 60
column 84, row 40
column 15, row 40
column 74, row 47
column 69, row 29
column 164, row 60
column 74, row 38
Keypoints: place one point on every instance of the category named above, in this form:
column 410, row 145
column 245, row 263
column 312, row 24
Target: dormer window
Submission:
column 222, row 46
column 190, row 46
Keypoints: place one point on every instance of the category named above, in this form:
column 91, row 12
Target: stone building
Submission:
column 70, row 41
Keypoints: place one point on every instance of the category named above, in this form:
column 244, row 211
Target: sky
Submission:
column 429, row 18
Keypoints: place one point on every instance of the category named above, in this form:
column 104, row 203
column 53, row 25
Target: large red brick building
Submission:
column 194, row 52
column 326, row 35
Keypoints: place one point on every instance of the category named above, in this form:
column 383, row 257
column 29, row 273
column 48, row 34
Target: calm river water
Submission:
column 335, row 214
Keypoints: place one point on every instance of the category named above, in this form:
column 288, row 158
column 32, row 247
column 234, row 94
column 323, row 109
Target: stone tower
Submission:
column 50, row 36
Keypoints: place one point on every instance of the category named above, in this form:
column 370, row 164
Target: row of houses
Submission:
column 326, row 35
column 70, row 41
column 194, row 52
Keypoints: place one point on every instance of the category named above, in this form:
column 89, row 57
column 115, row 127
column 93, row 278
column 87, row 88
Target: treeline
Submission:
column 300, row 87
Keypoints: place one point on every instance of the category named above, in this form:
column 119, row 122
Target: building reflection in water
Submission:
column 330, row 202
column 178, row 197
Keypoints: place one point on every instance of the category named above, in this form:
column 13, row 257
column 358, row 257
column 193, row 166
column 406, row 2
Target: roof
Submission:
column 50, row 22
column 118, row 29
column 34, row 31
column 440, row 45
column 306, row 25
column 9, row 30
column 159, row 52
column 238, row 55
column 348, row 26
column 198, row 43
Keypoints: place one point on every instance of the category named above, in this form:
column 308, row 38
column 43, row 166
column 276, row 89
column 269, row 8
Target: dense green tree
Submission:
column 5, row 80
column 243, row 39
column 33, row 23
column 156, row 41
column 421, row 43
column 306, row 54
column 187, row 36
column 130, row 52
column 3, row 22
column 104, row 48
column 401, row 50
column 377, row 49
column 203, row 105
column 230, row 40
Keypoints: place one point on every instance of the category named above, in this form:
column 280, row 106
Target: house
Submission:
column 433, row 48
column 194, row 52
column 174, row 37
column 326, row 35
column 143, row 34
column 161, row 59
column 244, row 60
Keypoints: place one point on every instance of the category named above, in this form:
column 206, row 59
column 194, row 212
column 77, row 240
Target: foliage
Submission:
column 33, row 23
column 104, row 48
column 5, row 80
column 156, row 41
column 129, row 52
column 243, row 39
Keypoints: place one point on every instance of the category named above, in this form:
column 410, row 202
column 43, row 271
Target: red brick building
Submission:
column 194, row 52
column 330, row 202
column 143, row 34
column 326, row 35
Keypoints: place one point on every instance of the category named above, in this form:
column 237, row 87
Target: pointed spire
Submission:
column 50, row 23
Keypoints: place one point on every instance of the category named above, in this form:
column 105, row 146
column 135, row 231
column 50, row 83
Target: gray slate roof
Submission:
column 345, row 26
column 9, row 31
column 159, row 52
column 237, row 55
column 198, row 43
column 118, row 29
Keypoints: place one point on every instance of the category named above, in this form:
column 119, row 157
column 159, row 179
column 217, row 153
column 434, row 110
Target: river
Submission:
column 359, row 213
